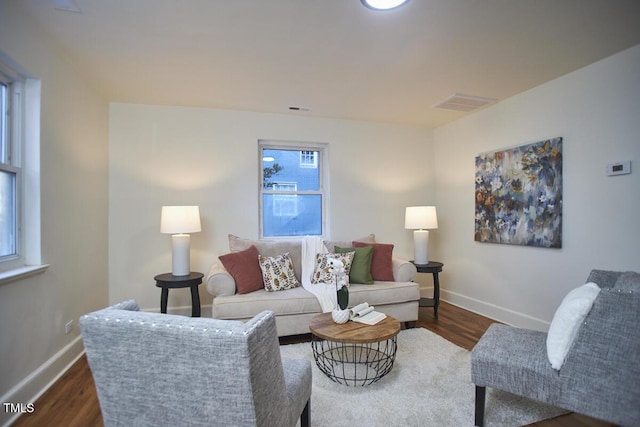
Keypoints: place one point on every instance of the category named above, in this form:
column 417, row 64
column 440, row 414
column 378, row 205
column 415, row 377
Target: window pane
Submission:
column 291, row 167
column 7, row 213
column 292, row 215
column 4, row 131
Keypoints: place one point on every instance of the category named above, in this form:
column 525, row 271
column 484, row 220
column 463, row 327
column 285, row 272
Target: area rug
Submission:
column 429, row 385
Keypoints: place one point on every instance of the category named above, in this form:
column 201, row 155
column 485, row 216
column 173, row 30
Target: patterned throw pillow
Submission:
column 277, row 273
column 322, row 274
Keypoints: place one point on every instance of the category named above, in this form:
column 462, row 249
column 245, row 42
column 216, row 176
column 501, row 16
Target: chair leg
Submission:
column 480, row 398
column 305, row 417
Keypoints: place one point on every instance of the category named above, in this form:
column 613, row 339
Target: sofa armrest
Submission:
column 403, row 270
column 219, row 282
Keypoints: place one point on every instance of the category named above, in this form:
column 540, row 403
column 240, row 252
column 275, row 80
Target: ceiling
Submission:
column 336, row 58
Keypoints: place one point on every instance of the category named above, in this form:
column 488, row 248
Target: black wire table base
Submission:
column 354, row 364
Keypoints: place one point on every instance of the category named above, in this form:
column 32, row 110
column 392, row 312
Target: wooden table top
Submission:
column 351, row 332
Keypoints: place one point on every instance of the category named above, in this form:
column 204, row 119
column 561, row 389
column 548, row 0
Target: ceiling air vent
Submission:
column 67, row 5
column 461, row 102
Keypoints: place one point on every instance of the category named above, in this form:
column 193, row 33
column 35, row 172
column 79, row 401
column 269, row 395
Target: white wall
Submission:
column 170, row 155
column 74, row 125
column 173, row 155
column 597, row 112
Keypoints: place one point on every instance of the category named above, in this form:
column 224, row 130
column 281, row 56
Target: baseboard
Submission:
column 492, row 311
column 33, row 386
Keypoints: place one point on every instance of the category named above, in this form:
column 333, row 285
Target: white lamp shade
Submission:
column 420, row 218
column 180, row 219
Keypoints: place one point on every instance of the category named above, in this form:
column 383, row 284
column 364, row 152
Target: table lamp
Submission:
column 178, row 221
column 421, row 219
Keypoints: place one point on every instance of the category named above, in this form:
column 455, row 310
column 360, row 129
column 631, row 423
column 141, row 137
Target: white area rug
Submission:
column 430, row 385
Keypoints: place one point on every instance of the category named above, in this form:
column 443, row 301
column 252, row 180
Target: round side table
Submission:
column 168, row 281
column 433, row 267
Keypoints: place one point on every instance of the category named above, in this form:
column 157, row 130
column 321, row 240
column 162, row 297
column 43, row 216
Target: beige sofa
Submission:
column 294, row 308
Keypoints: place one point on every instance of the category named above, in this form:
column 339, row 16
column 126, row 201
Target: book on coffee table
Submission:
column 365, row 313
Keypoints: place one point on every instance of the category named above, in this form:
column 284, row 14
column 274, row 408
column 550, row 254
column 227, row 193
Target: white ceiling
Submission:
column 335, row 57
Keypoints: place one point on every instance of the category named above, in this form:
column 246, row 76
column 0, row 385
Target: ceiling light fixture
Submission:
column 383, row 4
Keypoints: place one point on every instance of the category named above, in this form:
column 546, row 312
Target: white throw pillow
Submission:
column 567, row 320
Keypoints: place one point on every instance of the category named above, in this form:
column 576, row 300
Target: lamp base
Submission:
column 180, row 254
column 421, row 246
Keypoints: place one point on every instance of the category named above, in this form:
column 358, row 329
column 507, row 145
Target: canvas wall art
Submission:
column 519, row 195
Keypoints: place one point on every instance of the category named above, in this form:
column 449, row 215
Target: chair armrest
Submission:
column 219, row 282
column 403, row 270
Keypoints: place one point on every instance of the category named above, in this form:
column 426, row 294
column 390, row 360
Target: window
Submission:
column 308, row 159
column 292, row 190
column 19, row 172
column 9, row 170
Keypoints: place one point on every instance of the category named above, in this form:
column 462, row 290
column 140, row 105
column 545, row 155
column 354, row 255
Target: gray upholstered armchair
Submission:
column 164, row 370
column 600, row 375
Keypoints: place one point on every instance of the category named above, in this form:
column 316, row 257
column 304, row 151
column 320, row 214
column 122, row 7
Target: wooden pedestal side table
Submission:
column 433, row 267
column 168, row 281
column 353, row 353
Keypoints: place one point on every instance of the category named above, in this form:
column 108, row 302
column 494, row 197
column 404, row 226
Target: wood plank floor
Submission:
column 72, row 400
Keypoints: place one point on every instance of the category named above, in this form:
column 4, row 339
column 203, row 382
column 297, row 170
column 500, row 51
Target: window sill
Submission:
column 21, row 273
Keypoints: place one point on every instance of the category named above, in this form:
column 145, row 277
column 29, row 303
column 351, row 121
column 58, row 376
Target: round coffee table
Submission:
column 353, row 353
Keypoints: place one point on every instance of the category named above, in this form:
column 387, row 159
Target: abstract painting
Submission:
column 519, row 195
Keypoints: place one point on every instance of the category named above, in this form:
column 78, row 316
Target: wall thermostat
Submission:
column 619, row 168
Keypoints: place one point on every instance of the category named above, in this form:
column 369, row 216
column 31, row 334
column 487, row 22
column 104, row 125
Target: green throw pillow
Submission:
column 361, row 265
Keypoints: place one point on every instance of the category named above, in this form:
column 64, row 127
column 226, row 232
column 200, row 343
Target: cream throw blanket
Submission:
column 325, row 292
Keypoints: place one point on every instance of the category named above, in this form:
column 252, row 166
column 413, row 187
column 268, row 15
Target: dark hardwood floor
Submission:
column 72, row 400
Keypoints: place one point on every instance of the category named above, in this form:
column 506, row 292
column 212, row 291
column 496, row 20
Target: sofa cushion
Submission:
column 277, row 273
column 300, row 301
column 244, row 268
column 514, row 360
column 567, row 320
column 381, row 264
column 291, row 302
column 330, row 245
column 322, row 271
column 361, row 266
column 271, row 248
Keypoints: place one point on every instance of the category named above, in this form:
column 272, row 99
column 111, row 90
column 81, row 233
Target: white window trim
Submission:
column 26, row 155
column 323, row 149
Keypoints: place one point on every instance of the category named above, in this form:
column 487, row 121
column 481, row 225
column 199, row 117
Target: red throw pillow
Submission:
column 244, row 268
column 381, row 264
